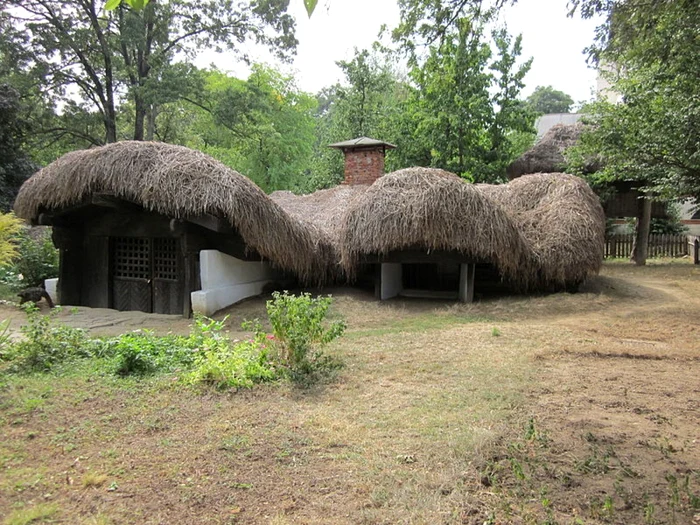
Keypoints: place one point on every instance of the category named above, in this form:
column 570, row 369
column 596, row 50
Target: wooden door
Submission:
column 168, row 276
column 147, row 275
column 131, row 271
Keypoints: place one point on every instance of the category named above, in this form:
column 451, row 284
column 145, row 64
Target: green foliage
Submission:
column 369, row 103
column 546, row 99
column 648, row 52
column 262, row 127
column 300, row 332
column 122, row 62
column 465, row 114
column 37, row 259
column 10, row 226
column 142, row 352
column 15, row 165
column 207, row 356
column 47, row 343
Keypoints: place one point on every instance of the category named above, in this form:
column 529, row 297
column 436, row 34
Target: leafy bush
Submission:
column 300, row 332
column 206, row 356
column 223, row 363
column 10, row 226
column 47, row 343
column 142, row 352
column 38, row 258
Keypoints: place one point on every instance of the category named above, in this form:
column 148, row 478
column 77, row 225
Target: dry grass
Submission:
column 427, row 423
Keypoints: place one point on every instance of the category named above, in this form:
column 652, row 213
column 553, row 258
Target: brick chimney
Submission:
column 364, row 159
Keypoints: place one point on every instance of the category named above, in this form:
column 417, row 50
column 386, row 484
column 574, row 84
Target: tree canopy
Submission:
column 127, row 59
column 546, row 99
column 649, row 53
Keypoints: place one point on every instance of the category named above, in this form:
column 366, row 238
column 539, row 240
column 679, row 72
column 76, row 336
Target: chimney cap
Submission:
column 361, row 142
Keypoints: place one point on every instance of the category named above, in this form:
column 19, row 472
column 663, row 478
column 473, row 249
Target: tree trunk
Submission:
column 140, row 119
column 110, row 129
column 151, row 121
column 641, row 241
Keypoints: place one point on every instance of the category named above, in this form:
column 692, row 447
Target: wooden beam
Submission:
column 211, row 222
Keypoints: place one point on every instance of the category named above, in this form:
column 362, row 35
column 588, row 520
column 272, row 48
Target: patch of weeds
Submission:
column 649, row 512
column 495, row 332
column 47, row 343
column 234, row 443
column 223, row 364
column 33, row 514
column 93, row 480
column 598, row 462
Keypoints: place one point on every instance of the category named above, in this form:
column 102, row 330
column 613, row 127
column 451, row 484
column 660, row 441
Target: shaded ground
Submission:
column 563, row 409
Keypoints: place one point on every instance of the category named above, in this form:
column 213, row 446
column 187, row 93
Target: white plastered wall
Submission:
column 391, row 280
column 227, row 280
column 51, row 286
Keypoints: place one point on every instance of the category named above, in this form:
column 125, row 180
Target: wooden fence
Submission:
column 660, row 245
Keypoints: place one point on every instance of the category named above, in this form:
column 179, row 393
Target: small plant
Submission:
column 300, row 332
column 142, row 352
column 223, row 363
column 495, row 332
column 47, row 343
column 10, row 226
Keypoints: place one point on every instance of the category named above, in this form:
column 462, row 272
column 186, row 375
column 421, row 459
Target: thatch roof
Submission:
column 543, row 231
column 430, row 209
column 562, row 222
column 547, row 156
column 178, row 182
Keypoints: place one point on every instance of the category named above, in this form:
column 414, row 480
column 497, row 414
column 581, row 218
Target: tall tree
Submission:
column 15, row 165
column 74, row 47
column 466, row 110
column 546, row 99
column 367, row 103
column 652, row 137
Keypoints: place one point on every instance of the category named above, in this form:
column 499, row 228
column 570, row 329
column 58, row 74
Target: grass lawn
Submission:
column 560, row 409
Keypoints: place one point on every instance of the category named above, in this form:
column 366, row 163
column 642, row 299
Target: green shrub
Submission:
column 38, row 258
column 300, row 331
column 223, row 363
column 47, row 343
column 139, row 352
column 10, row 226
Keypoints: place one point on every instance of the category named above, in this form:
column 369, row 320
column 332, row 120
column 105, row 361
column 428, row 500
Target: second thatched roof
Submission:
column 430, row 209
column 179, row 182
column 547, row 156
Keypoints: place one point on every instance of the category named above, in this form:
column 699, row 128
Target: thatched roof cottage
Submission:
column 162, row 228
column 132, row 218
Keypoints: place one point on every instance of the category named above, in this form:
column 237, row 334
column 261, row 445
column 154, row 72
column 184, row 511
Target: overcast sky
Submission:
column 554, row 41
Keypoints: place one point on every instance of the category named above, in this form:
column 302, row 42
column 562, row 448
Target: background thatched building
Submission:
column 620, row 199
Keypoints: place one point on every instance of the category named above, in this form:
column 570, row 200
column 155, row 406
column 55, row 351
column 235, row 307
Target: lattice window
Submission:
column 165, row 259
column 132, row 257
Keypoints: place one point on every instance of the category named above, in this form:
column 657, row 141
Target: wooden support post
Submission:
column 466, row 282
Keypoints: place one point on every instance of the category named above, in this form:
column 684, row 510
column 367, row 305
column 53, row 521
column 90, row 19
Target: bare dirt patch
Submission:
column 544, row 409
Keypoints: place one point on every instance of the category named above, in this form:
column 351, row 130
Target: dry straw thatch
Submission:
column 430, row 209
column 563, row 224
column 179, row 182
column 547, row 156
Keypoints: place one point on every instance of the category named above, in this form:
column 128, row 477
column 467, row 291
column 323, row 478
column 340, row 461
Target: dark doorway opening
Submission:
column 439, row 277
